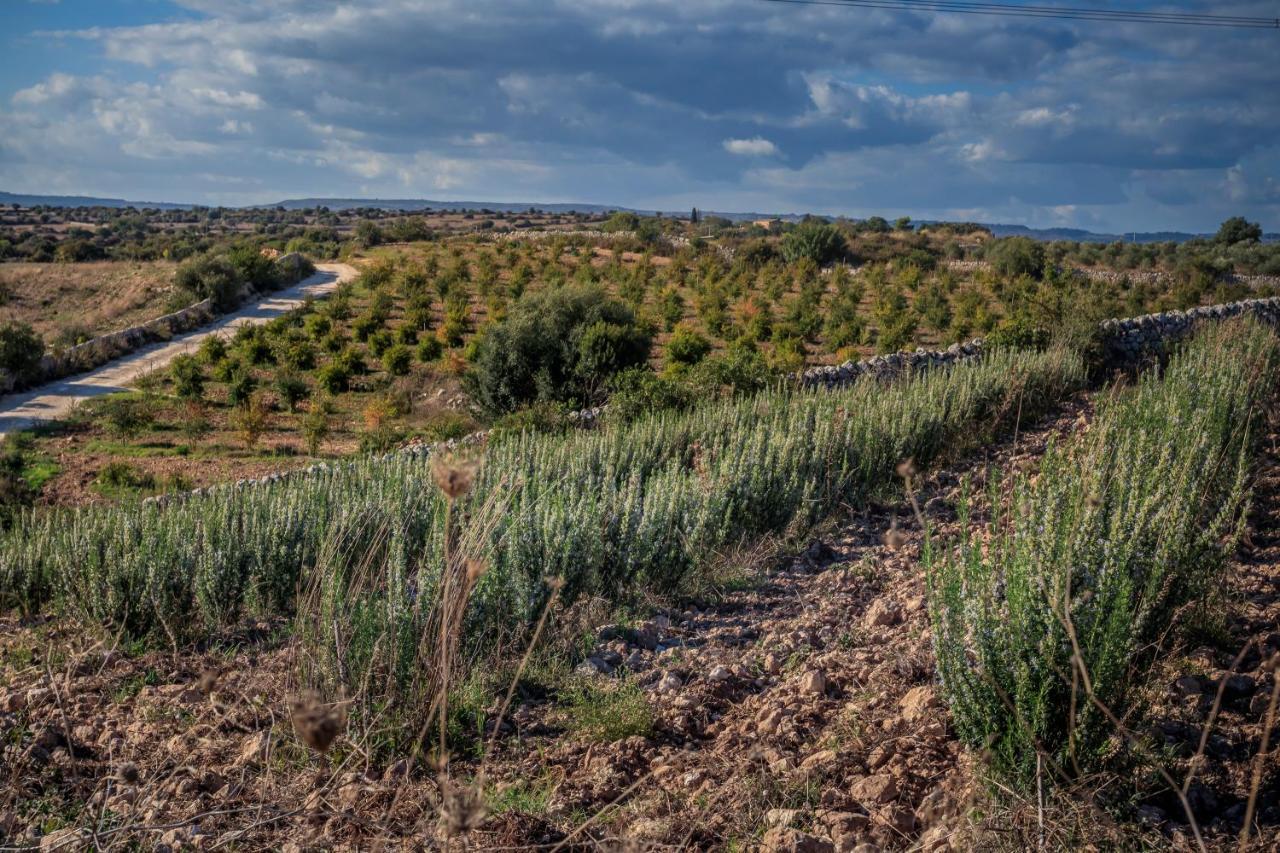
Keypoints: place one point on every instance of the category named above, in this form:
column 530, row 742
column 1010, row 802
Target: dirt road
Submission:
column 55, row 400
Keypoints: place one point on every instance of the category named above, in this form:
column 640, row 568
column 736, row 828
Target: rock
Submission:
column 813, row 682
column 255, row 749
column 593, row 666
column 783, row 840
column 771, row 664
column 62, row 839
column 13, row 702
column 1238, row 687
column 719, row 673
column 1189, row 685
column 874, row 790
column 38, row 696
column 917, row 702
column 669, row 683
column 781, row 817
column 883, row 612
column 821, row 758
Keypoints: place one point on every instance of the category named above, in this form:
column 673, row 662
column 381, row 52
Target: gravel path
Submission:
column 55, row 400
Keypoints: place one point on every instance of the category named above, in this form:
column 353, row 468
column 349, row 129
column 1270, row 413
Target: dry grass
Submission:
column 93, row 298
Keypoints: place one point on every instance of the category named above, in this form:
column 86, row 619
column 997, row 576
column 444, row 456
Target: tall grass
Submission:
column 644, row 503
column 1044, row 619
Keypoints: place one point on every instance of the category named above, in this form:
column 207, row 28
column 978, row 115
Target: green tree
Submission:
column 21, row 349
column 1237, row 229
column 1015, row 256
column 188, row 377
column 560, row 344
column 818, row 241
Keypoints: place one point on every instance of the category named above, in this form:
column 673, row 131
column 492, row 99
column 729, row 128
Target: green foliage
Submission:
column 213, row 349
column 1095, row 555
column 240, row 387
column 640, row 504
column 211, row 277
column 188, row 377
column 639, row 391
column 1237, row 229
column 817, row 241
column 1015, row 256
column 556, row 345
column 291, row 388
column 429, row 349
column 315, row 426
column 397, row 360
column 20, row 350
column 542, row 417
column 124, row 415
column 334, row 377
column 687, row 346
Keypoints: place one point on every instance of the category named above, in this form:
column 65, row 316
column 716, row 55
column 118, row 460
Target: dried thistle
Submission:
column 893, row 537
column 317, row 724
column 453, row 474
column 461, row 808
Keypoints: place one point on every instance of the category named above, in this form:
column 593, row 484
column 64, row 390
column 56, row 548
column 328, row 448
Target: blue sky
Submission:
column 663, row 104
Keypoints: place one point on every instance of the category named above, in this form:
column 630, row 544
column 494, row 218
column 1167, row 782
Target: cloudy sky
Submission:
column 661, row 104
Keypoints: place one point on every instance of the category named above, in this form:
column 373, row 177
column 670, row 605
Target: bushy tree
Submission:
column 560, row 344
column 188, row 377
column 1015, row 256
column 1237, row 229
column 21, row 349
column 210, row 277
column 687, row 346
column 818, row 241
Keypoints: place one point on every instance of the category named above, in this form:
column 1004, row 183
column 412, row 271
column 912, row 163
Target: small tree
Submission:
column 20, row 349
column 821, row 242
column 1015, row 256
column 250, row 421
column 315, row 426
column 188, row 377
column 1237, row 229
column 397, row 360
column 291, row 388
column 687, row 346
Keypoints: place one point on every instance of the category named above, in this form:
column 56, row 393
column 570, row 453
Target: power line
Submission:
column 1062, row 13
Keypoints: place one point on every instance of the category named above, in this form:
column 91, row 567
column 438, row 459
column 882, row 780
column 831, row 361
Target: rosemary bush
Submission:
column 643, row 503
column 1120, row 528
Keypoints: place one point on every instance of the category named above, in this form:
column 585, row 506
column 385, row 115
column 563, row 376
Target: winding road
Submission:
column 55, row 400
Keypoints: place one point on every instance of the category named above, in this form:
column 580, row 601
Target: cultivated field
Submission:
column 1021, row 597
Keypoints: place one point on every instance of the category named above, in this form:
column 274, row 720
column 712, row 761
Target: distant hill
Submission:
column 83, row 201
column 420, row 204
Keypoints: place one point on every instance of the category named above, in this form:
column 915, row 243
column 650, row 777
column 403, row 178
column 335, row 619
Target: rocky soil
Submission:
column 797, row 713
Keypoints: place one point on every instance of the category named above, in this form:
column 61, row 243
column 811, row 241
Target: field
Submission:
column 68, row 303
column 743, row 590
column 739, row 303
column 1024, row 599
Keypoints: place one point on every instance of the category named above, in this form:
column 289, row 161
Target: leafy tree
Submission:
column 397, row 360
column 559, row 344
column 210, row 277
column 821, row 242
column 21, row 349
column 1237, row 229
column 291, row 388
column 188, row 377
column 687, row 346
column 1015, row 256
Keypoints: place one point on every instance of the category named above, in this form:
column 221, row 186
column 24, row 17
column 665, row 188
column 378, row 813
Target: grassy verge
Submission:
column 1046, row 617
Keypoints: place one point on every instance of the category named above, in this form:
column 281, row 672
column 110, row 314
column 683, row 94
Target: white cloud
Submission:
column 757, row 146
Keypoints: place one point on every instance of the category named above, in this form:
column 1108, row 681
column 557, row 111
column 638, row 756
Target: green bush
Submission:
column 20, row 350
column 334, row 378
column 687, row 346
column 241, row 387
column 291, row 388
column 429, row 349
column 397, row 360
column 125, row 415
column 638, row 391
column 817, row 241
column 559, row 345
column 1081, row 574
column 213, row 349
column 544, row 417
column 211, row 277
column 188, row 377
column 1017, row 256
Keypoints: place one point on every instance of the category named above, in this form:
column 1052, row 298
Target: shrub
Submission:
column 1017, row 256
column 687, row 346
column 397, row 360
column 379, row 343
column 188, row 377
column 739, row 369
column 123, row 477
column 241, row 386
column 315, row 426
column 20, row 350
column 254, row 268
column 818, row 241
column 334, row 377
column 638, row 391
column 445, row 426
column 213, row 349
column 125, row 415
column 1017, row 332
column 211, row 277
column 1086, row 564
column 250, row 421
column 544, row 417
column 429, row 349
column 559, row 344
column 291, row 388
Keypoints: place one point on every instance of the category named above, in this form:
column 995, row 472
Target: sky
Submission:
column 731, row 105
